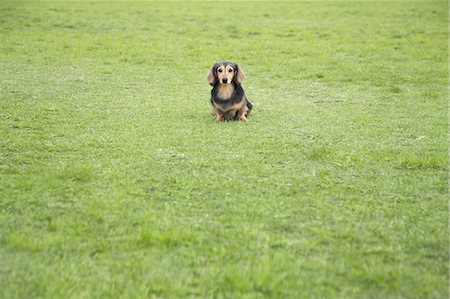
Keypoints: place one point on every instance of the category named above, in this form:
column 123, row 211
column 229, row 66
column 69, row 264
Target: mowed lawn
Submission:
column 116, row 182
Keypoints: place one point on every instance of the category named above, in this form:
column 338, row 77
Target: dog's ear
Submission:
column 212, row 75
column 240, row 74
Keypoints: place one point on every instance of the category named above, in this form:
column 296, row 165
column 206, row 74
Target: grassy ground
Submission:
column 115, row 182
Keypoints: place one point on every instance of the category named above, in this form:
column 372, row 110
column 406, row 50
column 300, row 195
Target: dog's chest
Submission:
column 225, row 92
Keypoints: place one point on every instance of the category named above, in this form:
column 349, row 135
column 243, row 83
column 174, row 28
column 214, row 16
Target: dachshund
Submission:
column 228, row 99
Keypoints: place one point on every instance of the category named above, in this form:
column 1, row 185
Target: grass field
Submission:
column 115, row 181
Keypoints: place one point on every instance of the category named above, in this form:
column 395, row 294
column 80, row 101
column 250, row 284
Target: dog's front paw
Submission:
column 243, row 117
column 220, row 117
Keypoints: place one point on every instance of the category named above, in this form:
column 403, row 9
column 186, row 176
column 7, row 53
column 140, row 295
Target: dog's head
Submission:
column 225, row 73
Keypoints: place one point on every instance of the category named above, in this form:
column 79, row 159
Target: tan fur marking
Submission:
column 237, row 106
column 210, row 76
column 242, row 113
column 218, row 116
column 225, row 91
column 240, row 76
column 225, row 71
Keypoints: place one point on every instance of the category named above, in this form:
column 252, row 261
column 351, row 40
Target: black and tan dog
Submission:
column 227, row 96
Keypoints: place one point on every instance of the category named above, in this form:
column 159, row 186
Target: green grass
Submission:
column 115, row 181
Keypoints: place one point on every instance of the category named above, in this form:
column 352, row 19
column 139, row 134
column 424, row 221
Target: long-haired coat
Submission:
column 228, row 99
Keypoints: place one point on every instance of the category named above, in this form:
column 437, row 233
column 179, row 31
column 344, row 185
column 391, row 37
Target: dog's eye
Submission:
column 230, row 70
column 219, row 70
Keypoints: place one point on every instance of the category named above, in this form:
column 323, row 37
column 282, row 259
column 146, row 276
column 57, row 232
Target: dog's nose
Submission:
column 224, row 80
